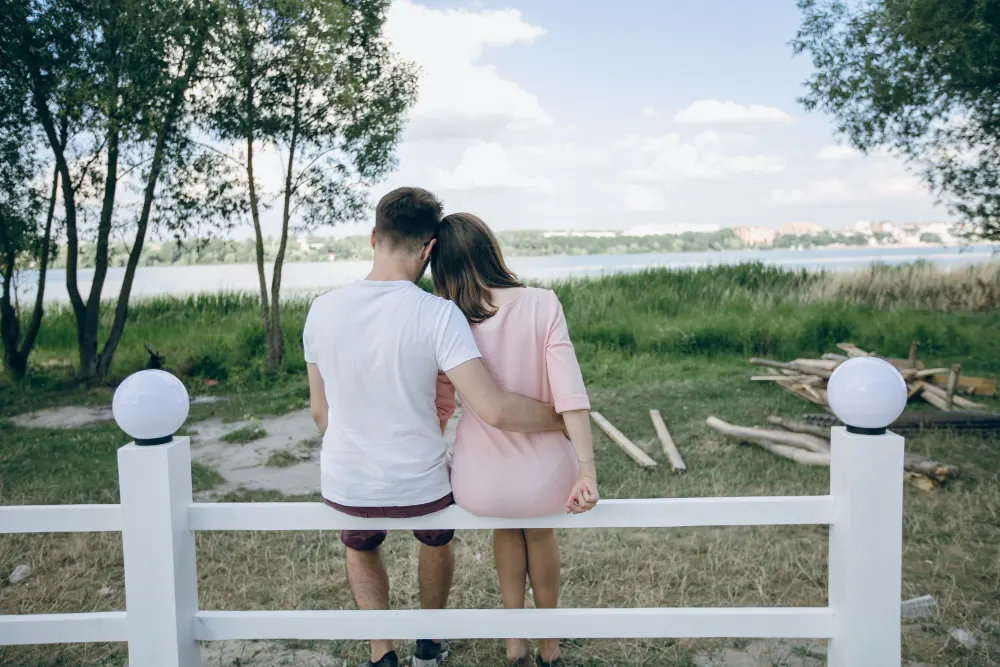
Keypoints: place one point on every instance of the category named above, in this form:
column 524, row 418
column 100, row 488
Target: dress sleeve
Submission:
column 565, row 378
column 444, row 397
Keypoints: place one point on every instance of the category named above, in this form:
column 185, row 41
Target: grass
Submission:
column 245, row 434
column 673, row 340
column 282, row 459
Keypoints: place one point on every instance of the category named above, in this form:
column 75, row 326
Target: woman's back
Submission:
column 526, row 347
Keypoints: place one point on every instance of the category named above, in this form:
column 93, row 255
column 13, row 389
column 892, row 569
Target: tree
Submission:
column 24, row 238
column 921, row 78
column 119, row 74
column 315, row 80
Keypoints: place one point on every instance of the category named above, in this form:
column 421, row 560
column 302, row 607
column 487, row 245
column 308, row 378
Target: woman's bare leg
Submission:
column 510, row 555
column 543, row 571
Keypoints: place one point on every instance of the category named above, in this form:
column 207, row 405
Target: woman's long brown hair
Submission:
column 466, row 264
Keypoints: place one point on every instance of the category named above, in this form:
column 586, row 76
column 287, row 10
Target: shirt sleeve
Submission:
column 455, row 343
column 565, row 377
column 444, row 397
column 307, row 352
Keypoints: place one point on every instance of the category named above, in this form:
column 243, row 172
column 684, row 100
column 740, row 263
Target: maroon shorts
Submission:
column 369, row 540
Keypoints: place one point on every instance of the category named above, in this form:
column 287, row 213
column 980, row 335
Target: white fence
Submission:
column 163, row 625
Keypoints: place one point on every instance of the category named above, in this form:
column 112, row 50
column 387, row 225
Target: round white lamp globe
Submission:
column 867, row 394
column 151, row 406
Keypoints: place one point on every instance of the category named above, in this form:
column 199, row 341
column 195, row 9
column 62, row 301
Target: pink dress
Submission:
column 526, row 348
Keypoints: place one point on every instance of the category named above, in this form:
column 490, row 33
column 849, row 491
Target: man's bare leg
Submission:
column 369, row 582
column 435, row 573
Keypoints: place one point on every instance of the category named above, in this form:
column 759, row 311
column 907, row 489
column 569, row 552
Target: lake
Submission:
column 316, row 277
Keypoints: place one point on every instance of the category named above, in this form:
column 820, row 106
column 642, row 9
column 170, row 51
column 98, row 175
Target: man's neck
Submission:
column 391, row 269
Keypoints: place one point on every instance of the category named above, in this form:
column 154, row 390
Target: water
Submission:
column 316, row 277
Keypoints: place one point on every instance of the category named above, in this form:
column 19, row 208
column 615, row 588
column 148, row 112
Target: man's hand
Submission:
column 584, row 496
column 501, row 409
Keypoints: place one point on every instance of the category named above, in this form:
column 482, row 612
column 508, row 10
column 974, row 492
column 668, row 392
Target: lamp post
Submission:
column 866, row 537
column 151, row 406
column 154, row 480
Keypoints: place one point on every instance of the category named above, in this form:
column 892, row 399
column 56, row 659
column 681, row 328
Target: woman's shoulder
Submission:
column 542, row 296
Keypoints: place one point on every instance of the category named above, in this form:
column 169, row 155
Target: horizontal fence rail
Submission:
column 61, row 519
column 789, row 623
column 105, row 626
column 661, row 513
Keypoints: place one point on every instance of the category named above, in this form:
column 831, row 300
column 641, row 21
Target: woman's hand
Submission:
column 584, row 496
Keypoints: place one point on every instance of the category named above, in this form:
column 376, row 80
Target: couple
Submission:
column 385, row 360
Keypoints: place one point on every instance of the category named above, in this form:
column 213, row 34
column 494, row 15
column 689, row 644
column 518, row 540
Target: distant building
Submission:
column 671, row 230
column 756, row 236
column 799, row 229
column 589, row 235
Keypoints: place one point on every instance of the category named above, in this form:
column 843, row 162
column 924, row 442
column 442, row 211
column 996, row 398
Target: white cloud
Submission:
column 649, row 112
column 818, row 191
column 671, row 158
column 639, row 198
column 837, row 152
column 459, row 96
column 878, row 176
column 716, row 111
column 485, row 165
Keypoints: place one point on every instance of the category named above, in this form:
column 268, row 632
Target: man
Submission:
column 373, row 350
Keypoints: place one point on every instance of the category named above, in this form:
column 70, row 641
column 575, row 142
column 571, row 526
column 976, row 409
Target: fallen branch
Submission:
column 799, row 427
column 669, row 448
column 956, row 400
column 792, row 366
column 755, row 435
column 630, row 448
column 794, row 453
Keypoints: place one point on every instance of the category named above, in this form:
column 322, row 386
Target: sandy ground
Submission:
column 246, row 466
column 72, row 416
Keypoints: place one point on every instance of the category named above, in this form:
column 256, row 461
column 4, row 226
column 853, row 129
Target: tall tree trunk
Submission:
column 155, row 169
column 39, row 96
column 92, row 319
column 276, row 347
column 265, row 319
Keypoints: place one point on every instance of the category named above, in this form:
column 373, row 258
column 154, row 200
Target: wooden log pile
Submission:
column 940, row 387
column 809, row 444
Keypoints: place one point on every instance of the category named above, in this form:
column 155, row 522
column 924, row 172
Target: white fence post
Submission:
column 866, row 542
column 161, row 578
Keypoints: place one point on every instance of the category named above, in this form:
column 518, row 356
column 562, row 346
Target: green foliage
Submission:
column 919, row 77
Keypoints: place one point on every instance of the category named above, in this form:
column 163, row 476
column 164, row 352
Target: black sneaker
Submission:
column 542, row 663
column 429, row 653
column 388, row 660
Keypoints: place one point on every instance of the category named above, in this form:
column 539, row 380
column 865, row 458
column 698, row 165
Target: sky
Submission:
column 588, row 114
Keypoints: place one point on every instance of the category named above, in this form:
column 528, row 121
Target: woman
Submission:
column 521, row 333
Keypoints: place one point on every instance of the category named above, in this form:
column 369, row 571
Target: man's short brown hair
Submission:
column 407, row 218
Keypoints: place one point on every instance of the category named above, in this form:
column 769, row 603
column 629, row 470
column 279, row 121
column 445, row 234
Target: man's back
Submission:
column 378, row 346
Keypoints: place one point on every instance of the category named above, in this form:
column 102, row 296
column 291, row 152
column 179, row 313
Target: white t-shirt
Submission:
column 379, row 346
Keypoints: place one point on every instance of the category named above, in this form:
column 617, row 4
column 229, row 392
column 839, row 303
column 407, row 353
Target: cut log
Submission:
column 927, row 372
column 903, row 365
column 912, row 358
column 934, row 398
column 956, row 400
column 804, row 441
column 971, row 385
column 794, row 453
column 799, row 390
column 914, row 389
column 629, row 447
column 949, row 396
column 833, row 356
column 800, row 427
column 791, row 366
column 925, row 466
column 822, row 364
column 922, row 482
column 669, row 448
column 853, row 350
